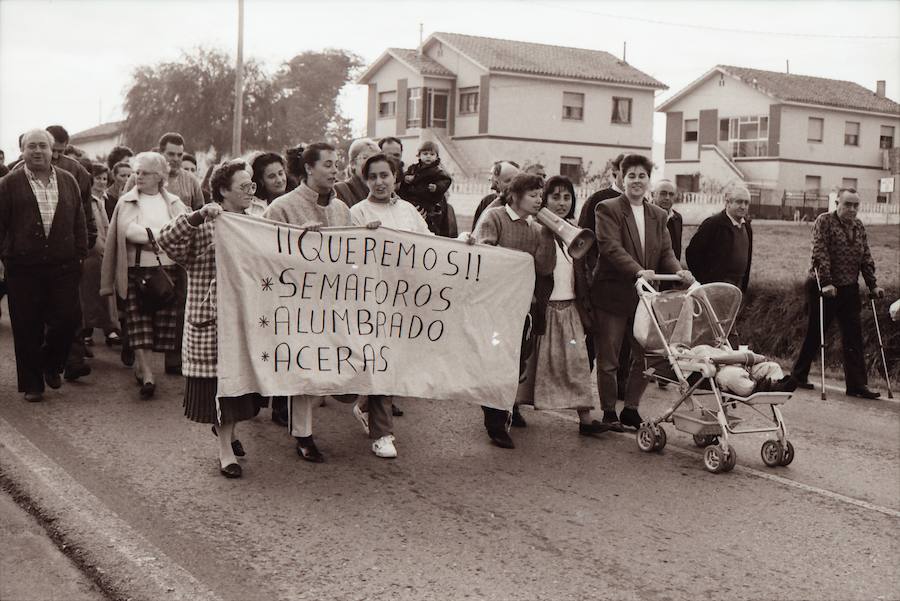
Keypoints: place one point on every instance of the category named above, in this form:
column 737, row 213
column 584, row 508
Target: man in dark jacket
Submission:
column 664, row 198
column 633, row 242
column 502, row 173
column 43, row 241
column 722, row 247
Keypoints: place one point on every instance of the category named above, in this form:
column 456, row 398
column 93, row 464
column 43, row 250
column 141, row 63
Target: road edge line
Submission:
column 85, row 522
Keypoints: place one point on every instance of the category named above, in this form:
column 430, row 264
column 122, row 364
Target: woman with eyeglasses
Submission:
column 189, row 240
column 130, row 253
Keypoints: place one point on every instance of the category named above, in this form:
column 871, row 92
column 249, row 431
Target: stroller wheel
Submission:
column 713, row 459
column 660, row 439
column 788, row 453
column 772, row 453
column 730, row 460
column 646, row 438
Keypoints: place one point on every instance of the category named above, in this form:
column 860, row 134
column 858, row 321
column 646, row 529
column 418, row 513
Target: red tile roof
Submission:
column 547, row 60
column 104, row 130
column 421, row 62
column 814, row 90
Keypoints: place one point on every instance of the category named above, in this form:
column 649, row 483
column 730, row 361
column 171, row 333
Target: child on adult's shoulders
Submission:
column 425, row 184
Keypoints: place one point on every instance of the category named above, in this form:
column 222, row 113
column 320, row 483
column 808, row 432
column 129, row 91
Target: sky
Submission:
column 70, row 61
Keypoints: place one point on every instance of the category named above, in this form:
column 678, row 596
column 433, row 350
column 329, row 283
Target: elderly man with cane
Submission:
column 840, row 253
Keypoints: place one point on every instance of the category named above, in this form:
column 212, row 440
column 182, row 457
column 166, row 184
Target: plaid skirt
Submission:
column 156, row 331
column 200, row 403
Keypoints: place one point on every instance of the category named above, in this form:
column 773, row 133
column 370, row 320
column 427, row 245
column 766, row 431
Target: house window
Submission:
column 688, row 183
column 814, row 130
column 723, row 129
column 887, row 137
column 851, row 133
column 414, row 107
column 849, row 182
column 573, row 106
column 691, row 130
column 387, row 104
column 747, row 136
column 813, row 184
column 621, row 110
column 468, row 100
column 570, row 167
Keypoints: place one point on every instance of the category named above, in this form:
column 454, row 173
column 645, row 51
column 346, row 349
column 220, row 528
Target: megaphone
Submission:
column 577, row 240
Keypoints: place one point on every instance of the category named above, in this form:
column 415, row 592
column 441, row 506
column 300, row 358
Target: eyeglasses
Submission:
column 249, row 187
column 665, row 193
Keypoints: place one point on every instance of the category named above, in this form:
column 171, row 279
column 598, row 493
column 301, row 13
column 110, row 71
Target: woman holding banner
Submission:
column 189, row 240
column 312, row 205
column 383, row 207
column 559, row 373
column 508, row 226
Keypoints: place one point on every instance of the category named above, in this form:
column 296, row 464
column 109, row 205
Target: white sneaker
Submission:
column 362, row 417
column 384, row 447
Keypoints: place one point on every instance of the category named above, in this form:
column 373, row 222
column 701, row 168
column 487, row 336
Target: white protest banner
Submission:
column 353, row 310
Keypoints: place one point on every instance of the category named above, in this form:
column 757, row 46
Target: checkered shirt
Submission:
column 193, row 248
column 47, row 197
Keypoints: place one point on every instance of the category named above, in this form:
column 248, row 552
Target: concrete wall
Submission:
column 467, row 75
column 482, row 152
column 94, row 148
column 541, row 116
column 385, row 80
column 794, row 133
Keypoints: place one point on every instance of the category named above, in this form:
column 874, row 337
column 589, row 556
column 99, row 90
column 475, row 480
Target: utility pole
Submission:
column 624, row 51
column 238, row 86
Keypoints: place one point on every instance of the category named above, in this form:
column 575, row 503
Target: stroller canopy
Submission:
column 702, row 314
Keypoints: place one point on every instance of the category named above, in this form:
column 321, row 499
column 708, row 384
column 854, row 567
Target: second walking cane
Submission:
column 887, row 377
column 821, row 329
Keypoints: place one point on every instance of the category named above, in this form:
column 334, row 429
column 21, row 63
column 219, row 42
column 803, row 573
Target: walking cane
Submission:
column 821, row 329
column 887, row 377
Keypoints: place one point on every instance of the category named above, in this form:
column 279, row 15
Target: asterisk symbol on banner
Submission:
column 265, row 356
column 263, row 322
column 266, row 284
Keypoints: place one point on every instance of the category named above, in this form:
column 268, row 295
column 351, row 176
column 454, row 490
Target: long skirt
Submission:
column 97, row 311
column 200, row 403
column 157, row 331
column 561, row 374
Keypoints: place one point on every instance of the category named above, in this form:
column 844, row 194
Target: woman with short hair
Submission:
column 270, row 178
column 131, row 252
column 189, row 240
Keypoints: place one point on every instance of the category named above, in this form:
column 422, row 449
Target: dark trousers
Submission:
column 173, row 357
column 624, row 363
column 45, row 313
column 381, row 420
column 612, row 331
column 846, row 307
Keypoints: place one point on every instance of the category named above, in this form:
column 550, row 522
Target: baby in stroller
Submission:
column 744, row 381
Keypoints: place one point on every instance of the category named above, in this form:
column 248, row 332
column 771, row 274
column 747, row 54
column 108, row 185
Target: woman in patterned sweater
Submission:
column 189, row 241
column 512, row 226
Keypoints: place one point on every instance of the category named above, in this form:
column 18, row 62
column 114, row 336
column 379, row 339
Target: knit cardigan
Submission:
column 300, row 206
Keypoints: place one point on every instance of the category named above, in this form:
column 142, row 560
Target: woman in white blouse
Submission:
column 130, row 253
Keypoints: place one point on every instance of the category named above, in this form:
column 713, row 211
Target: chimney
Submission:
column 879, row 88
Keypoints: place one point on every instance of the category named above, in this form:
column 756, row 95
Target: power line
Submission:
column 723, row 29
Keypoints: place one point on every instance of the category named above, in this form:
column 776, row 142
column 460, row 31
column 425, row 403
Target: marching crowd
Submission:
column 126, row 247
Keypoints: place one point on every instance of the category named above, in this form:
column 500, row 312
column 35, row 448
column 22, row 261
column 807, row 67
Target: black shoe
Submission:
column 517, row 420
column 612, row 421
column 113, row 339
column 396, row 411
column 127, row 356
column 307, row 449
column 148, row 389
column 52, row 379
column 232, row 470
column 592, row 429
column 34, row 397
column 502, row 439
column 88, row 352
column 173, row 370
column 863, row 393
column 236, row 447
column 804, row 384
column 280, row 418
column 73, row 373
column 631, row 418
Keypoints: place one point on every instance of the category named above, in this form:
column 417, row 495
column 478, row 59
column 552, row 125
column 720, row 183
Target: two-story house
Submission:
column 484, row 99
column 780, row 132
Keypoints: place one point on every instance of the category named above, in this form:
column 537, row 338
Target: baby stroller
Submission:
column 669, row 325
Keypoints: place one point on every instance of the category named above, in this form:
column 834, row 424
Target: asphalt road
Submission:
column 134, row 488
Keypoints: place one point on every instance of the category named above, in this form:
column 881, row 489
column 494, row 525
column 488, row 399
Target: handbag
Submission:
column 155, row 289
